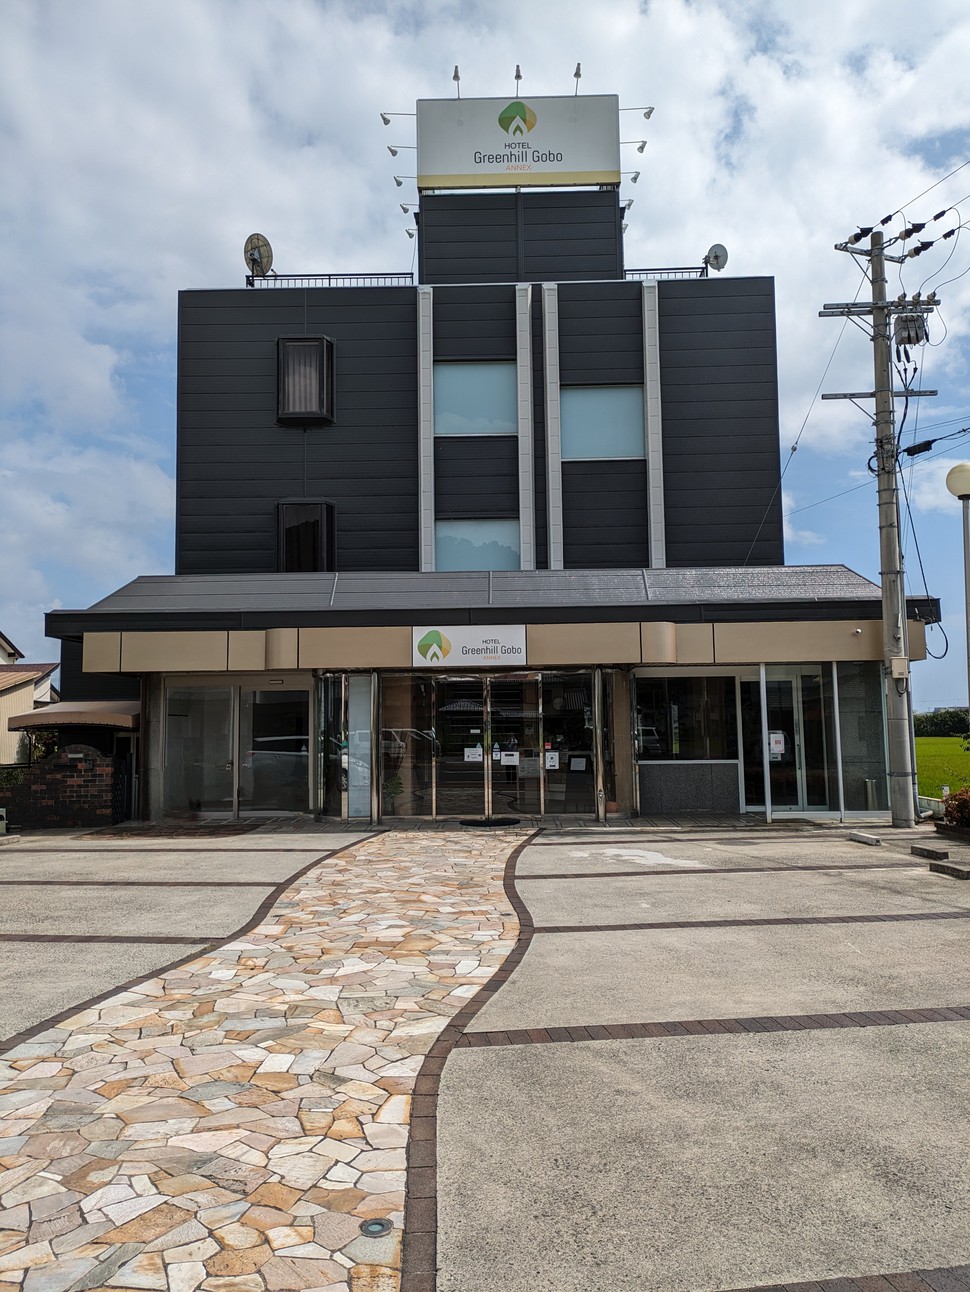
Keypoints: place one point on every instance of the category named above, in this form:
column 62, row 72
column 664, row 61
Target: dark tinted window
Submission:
column 306, row 385
column 306, row 537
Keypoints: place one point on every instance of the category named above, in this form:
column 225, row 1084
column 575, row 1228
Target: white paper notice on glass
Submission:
column 552, row 760
column 474, row 754
column 577, row 764
column 510, row 758
column 776, row 742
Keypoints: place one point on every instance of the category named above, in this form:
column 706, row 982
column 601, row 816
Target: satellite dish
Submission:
column 717, row 257
column 258, row 254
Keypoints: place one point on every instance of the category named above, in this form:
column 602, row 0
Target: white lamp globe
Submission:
column 958, row 480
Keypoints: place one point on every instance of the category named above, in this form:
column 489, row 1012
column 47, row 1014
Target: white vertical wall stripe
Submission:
column 425, row 431
column 550, row 347
column 523, row 374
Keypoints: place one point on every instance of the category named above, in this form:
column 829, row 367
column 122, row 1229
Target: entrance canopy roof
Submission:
column 122, row 715
column 161, row 602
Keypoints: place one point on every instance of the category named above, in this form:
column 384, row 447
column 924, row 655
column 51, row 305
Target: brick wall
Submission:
column 63, row 791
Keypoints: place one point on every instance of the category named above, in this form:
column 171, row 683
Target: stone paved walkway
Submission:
column 230, row 1123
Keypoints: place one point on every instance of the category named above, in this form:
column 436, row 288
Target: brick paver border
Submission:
column 784, row 921
column 714, row 1026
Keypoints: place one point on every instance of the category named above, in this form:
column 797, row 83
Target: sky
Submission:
column 143, row 140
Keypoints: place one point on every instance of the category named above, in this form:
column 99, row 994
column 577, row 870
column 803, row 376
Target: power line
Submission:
column 794, row 448
column 865, row 484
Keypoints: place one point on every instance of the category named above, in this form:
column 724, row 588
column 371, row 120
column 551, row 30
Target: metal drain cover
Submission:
column 375, row 1228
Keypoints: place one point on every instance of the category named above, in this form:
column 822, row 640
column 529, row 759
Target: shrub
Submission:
column 956, row 808
column 941, row 722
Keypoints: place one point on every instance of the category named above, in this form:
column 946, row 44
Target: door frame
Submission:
column 485, row 679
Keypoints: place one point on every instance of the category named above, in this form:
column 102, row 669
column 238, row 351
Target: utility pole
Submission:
column 895, row 660
column 902, row 799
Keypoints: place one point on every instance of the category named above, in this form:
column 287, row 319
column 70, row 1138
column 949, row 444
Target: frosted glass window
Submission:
column 475, row 399
column 476, row 545
column 601, row 422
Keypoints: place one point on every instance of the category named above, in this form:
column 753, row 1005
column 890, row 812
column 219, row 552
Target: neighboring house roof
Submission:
column 262, row 600
column 8, row 648
column 12, row 675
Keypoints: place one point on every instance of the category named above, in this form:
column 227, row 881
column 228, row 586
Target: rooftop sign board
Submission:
column 507, row 143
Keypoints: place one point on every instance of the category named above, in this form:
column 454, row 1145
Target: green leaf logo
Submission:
column 434, row 647
column 517, row 119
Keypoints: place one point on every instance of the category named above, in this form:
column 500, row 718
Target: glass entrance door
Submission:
column 462, row 738
column 514, row 762
column 198, row 750
column 801, row 764
column 274, row 743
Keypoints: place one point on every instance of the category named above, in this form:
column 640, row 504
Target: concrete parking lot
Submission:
column 80, row 916
column 788, row 1153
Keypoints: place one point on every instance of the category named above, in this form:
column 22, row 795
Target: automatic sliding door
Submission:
column 514, row 759
column 198, row 750
column 462, row 737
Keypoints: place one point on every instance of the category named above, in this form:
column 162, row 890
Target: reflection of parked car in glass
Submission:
column 274, row 772
column 648, row 742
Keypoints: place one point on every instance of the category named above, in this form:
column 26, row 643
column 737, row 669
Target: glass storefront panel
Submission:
column 688, row 718
column 198, row 750
column 407, row 746
column 567, row 728
column 515, row 737
column 331, row 745
column 274, row 745
column 359, row 719
column 863, row 740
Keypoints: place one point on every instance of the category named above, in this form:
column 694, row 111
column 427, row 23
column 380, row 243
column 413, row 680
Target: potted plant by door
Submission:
column 391, row 788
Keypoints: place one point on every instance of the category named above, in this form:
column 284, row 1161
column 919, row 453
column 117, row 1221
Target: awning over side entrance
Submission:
column 122, row 715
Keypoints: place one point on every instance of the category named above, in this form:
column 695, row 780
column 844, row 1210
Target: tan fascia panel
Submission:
column 247, row 650
column 561, row 644
column 101, row 653
column 658, row 643
column 282, row 648
column 199, row 652
column 695, row 643
column 917, row 640
column 799, row 642
column 355, row 647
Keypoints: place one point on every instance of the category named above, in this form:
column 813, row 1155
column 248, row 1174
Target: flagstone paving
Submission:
column 230, row 1123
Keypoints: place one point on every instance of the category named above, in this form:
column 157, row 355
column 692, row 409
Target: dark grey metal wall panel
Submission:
column 572, row 235
column 519, row 237
column 476, row 477
column 604, row 508
column 719, row 381
column 468, row 237
column 75, row 684
column 235, row 463
column 474, row 323
column 600, row 334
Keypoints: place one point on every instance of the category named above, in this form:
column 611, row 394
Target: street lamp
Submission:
column 958, row 483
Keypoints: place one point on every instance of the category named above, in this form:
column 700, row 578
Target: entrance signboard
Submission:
column 503, row 143
column 463, row 646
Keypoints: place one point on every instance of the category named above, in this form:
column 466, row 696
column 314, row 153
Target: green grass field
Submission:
column 941, row 760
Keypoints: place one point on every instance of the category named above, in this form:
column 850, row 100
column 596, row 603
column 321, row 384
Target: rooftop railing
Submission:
column 407, row 280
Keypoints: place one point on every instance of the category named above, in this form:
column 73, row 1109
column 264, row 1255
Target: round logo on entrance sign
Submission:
column 517, row 119
column 434, row 646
